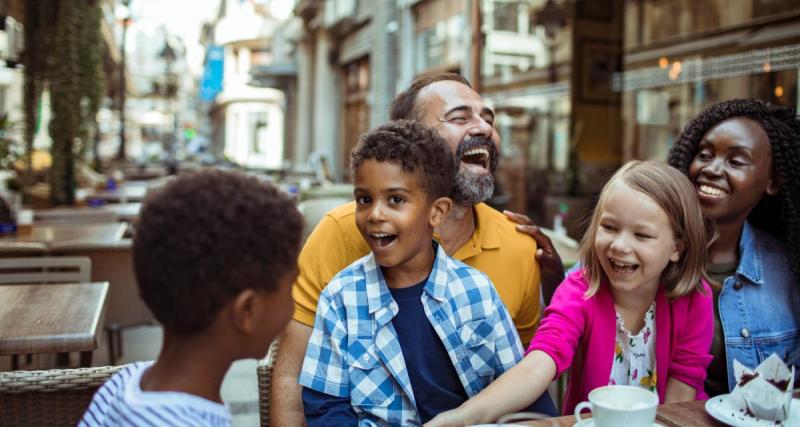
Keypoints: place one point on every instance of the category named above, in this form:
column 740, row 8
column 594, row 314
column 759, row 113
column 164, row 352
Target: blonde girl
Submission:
column 639, row 311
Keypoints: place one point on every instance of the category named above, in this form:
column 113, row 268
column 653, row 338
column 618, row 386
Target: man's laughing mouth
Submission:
column 477, row 156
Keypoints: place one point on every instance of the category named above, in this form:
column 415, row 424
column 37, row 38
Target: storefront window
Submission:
column 442, row 44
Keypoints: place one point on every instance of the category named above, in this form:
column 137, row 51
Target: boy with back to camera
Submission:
column 215, row 257
column 405, row 332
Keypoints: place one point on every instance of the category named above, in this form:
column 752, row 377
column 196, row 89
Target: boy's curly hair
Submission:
column 415, row 148
column 778, row 214
column 206, row 237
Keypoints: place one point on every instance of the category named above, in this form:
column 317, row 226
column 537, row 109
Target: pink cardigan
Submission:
column 580, row 333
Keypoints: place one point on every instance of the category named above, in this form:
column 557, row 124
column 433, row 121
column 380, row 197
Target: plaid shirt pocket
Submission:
column 479, row 346
column 371, row 383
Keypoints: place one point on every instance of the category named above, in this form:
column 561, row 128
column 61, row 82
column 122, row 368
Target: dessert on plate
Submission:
column 766, row 391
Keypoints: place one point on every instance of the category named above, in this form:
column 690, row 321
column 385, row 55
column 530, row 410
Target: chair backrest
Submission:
column 328, row 191
column 114, row 264
column 45, row 270
column 22, row 249
column 314, row 210
column 56, row 397
column 264, row 375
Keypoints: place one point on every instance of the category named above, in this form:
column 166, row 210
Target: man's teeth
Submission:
column 712, row 191
column 475, row 151
column 381, row 235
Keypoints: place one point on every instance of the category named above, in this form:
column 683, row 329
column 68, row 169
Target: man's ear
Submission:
column 439, row 210
column 242, row 312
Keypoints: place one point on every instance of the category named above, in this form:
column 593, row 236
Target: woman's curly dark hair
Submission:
column 778, row 214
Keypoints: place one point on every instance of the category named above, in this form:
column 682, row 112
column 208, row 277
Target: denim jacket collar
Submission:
column 750, row 266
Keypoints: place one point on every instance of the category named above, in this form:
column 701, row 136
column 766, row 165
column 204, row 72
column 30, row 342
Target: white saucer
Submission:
column 590, row 422
column 723, row 410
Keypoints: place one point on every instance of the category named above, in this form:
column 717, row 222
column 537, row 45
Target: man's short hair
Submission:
column 205, row 238
column 415, row 148
column 404, row 104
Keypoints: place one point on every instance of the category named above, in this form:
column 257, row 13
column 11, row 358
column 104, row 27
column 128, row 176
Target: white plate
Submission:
column 721, row 408
column 589, row 422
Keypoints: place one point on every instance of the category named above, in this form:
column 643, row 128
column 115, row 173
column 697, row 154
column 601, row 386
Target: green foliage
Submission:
column 63, row 51
column 91, row 76
column 9, row 148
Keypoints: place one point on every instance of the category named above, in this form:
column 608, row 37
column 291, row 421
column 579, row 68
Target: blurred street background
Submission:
column 285, row 87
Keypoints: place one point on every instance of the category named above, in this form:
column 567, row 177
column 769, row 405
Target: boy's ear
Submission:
column 439, row 210
column 678, row 248
column 243, row 312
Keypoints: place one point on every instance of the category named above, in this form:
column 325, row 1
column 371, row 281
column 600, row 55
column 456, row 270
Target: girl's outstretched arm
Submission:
column 513, row 391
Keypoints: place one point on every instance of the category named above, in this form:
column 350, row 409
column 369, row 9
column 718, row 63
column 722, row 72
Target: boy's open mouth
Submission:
column 477, row 156
column 622, row 267
column 382, row 239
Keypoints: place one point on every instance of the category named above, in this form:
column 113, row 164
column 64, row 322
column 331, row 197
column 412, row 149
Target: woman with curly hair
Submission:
column 743, row 157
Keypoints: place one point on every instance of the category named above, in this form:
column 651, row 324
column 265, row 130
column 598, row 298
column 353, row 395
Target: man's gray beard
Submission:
column 471, row 189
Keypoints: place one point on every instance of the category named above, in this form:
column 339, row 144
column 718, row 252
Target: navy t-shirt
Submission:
column 433, row 378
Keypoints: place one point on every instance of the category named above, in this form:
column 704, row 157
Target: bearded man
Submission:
column 473, row 233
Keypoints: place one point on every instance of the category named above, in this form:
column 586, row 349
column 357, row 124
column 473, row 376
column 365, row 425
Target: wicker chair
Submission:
column 264, row 373
column 56, row 397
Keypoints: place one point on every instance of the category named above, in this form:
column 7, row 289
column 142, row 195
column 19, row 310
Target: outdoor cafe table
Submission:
column 127, row 212
column 692, row 413
column 55, row 235
column 52, row 318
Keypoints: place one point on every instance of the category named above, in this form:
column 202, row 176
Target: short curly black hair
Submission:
column 416, row 148
column 207, row 236
column 778, row 214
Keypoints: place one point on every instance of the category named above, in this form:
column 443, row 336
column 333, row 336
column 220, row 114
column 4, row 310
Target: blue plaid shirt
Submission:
column 354, row 351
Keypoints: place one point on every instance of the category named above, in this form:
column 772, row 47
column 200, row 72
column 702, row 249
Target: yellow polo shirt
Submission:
column 495, row 248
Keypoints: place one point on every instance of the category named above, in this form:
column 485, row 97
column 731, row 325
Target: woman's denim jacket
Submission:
column 759, row 305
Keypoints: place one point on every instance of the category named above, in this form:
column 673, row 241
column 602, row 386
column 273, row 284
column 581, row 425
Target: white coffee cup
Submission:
column 619, row 405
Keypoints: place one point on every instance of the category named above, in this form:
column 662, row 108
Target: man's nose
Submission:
column 481, row 128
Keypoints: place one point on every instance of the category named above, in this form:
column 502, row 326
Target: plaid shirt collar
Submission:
column 380, row 298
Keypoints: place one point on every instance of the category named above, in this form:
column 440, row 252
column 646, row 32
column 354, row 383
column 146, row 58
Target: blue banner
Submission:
column 211, row 84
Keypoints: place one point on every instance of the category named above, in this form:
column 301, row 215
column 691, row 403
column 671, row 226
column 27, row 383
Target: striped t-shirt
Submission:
column 121, row 402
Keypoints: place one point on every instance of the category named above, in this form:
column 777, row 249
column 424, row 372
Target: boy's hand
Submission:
column 550, row 264
column 453, row 418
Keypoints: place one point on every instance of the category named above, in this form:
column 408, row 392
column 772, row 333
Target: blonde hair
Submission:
column 672, row 191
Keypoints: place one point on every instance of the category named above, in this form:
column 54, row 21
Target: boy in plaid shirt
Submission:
column 405, row 332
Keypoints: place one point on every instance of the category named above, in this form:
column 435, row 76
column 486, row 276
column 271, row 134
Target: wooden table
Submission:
column 55, row 235
column 52, row 318
column 669, row 415
column 127, row 212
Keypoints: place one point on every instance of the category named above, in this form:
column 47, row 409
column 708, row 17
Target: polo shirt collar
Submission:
column 486, row 235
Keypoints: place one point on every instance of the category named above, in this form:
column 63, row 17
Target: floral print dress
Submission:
column 635, row 355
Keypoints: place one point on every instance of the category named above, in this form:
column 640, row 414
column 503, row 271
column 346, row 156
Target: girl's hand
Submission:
column 453, row 418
